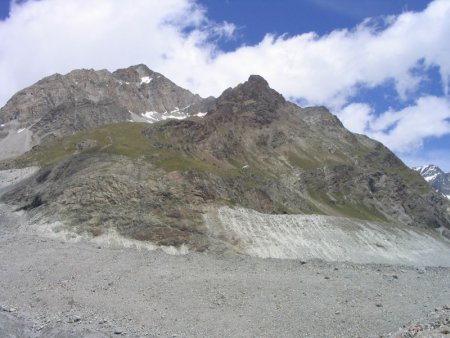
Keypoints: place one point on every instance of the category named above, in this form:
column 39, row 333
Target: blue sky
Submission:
column 255, row 18
column 382, row 66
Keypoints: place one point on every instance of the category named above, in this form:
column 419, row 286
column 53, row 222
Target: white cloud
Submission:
column 176, row 38
column 356, row 117
column 405, row 130
column 402, row 131
column 47, row 36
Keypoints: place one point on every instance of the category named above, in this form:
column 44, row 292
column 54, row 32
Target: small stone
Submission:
column 119, row 331
column 337, row 312
column 326, row 277
column 421, row 270
column 74, row 319
column 395, row 276
column 379, row 305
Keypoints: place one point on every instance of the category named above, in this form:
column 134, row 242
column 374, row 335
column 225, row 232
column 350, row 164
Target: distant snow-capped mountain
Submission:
column 438, row 179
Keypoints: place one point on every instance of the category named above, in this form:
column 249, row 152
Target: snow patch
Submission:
column 166, row 117
column 176, row 113
column 21, row 130
column 146, row 79
column 430, row 178
column 152, row 116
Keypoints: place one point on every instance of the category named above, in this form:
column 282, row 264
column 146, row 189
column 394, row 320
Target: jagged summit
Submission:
column 436, row 177
column 252, row 101
column 256, row 88
column 138, row 74
column 429, row 171
column 258, row 79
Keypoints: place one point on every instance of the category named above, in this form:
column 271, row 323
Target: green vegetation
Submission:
column 124, row 139
column 342, row 207
column 313, row 161
column 121, row 139
column 246, row 171
column 304, row 162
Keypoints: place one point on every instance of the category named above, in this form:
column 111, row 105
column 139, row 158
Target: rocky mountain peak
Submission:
column 255, row 89
column 139, row 74
column 252, row 100
column 258, row 79
column 54, row 106
column 436, row 177
column 429, row 170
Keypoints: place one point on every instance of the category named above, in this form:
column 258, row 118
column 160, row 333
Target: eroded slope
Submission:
column 253, row 150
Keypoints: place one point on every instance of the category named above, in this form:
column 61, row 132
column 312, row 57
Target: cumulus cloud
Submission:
column 43, row 37
column 404, row 130
column 328, row 69
column 176, row 38
column 356, row 117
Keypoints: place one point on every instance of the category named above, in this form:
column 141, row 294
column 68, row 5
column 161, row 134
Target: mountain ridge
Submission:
column 164, row 182
column 46, row 109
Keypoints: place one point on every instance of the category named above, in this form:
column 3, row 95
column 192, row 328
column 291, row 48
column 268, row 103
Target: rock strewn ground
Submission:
column 54, row 288
column 435, row 325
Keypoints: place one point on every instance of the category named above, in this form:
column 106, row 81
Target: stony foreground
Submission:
column 55, row 288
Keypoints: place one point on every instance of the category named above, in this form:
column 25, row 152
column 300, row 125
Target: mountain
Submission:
column 171, row 182
column 439, row 180
column 61, row 105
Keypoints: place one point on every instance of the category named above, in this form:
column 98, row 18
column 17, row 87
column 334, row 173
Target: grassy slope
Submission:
column 127, row 139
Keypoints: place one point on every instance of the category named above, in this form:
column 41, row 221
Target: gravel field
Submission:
column 55, row 288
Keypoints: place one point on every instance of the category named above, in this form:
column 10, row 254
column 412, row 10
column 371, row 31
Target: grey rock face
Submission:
column 435, row 177
column 73, row 117
column 60, row 105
